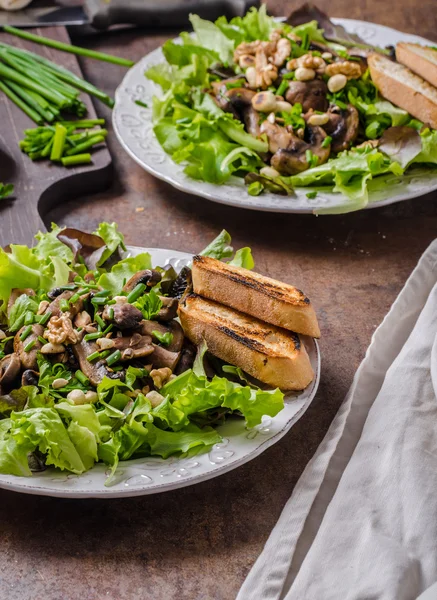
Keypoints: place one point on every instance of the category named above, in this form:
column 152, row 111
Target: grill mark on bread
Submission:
column 266, row 287
column 242, row 339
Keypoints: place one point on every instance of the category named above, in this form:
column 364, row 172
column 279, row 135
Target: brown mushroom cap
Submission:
column 343, row 126
column 169, row 309
column 95, row 371
column 149, row 277
column 162, row 357
column 74, row 309
column 293, row 159
column 125, row 316
column 311, row 94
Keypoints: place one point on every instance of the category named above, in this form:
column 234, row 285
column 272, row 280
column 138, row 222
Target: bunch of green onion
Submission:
column 67, row 142
column 40, row 87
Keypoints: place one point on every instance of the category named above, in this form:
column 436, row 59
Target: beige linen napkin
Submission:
column 361, row 523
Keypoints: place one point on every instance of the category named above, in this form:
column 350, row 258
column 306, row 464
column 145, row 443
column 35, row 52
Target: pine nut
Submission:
column 271, row 119
column 337, row 83
column 264, row 102
column 59, row 383
column 326, row 56
column 2, row 334
column 318, row 119
column 52, row 348
column 304, row 74
column 269, row 172
column 77, row 397
column 251, row 77
column 91, row 397
column 282, row 106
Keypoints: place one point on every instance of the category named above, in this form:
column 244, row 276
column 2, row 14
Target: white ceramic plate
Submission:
column 153, row 475
column 133, row 126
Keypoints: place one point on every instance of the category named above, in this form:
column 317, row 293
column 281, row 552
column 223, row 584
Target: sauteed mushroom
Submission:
column 311, row 94
column 173, row 327
column 149, row 277
column 95, row 371
column 342, row 126
column 125, row 316
column 294, row 158
column 164, row 358
column 29, row 359
column 169, row 309
column 10, row 367
column 29, row 377
column 134, row 346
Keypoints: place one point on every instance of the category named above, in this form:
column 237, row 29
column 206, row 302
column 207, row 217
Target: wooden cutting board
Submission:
column 40, row 185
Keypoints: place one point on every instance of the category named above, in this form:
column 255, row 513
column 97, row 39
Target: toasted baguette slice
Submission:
column 251, row 293
column 272, row 355
column 405, row 89
column 420, row 59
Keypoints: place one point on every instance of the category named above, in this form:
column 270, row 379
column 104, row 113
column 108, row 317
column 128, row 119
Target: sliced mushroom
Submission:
column 29, row 359
column 173, row 327
column 343, row 126
column 251, row 121
column 10, row 367
column 149, row 277
column 169, row 309
column 311, row 94
column 187, row 356
column 125, row 316
column 95, row 371
column 278, row 137
column 29, row 377
column 294, row 158
column 74, row 309
column 134, row 346
column 164, row 358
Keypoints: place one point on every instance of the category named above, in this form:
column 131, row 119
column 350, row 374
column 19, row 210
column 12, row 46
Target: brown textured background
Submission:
column 199, row 543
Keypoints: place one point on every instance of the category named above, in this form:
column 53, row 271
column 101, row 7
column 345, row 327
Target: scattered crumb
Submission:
column 139, row 209
column 383, row 237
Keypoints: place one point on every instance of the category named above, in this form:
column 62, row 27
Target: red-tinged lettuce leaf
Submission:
column 401, row 144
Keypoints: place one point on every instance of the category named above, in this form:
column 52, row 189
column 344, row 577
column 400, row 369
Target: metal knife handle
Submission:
column 161, row 13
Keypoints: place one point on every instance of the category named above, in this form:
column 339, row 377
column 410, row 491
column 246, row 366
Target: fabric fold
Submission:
column 335, row 537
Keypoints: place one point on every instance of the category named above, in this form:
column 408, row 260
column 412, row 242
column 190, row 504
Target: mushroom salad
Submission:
column 94, row 365
column 283, row 107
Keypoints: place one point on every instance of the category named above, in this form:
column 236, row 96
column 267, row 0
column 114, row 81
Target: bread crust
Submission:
column 405, row 93
column 419, row 59
column 262, row 297
column 268, row 353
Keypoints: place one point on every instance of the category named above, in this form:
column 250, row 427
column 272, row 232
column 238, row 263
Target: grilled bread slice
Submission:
column 420, row 59
column 251, row 293
column 272, row 355
column 405, row 89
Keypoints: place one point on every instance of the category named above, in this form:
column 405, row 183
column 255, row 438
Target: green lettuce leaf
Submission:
column 243, row 258
column 123, row 271
column 220, row 247
column 211, row 37
column 255, row 25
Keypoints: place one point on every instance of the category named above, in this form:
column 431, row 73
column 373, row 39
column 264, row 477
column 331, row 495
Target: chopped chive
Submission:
column 74, row 298
column 136, row 292
column 113, row 358
column 111, row 314
column 98, row 301
column 101, row 323
column 311, row 195
column 84, row 123
column 29, row 346
column 42, row 340
column 80, row 376
column 58, row 142
column 29, row 317
column 111, row 302
column 92, row 336
column 102, row 293
column 282, row 88
column 105, row 353
column 326, row 142
column 143, row 104
column 83, row 291
column 64, row 305
column 32, row 114
column 68, row 287
column 108, row 329
column 85, row 145
column 93, row 356
column 25, row 333
column 45, row 317
column 78, row 159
